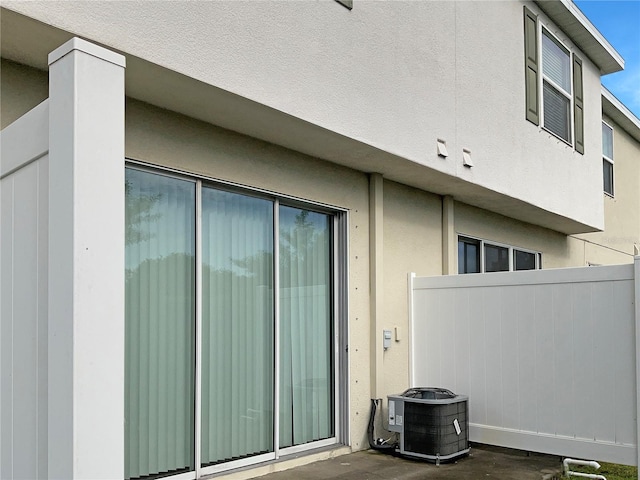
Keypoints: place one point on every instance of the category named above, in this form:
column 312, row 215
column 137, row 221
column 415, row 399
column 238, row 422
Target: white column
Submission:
column 449, row 243
column 376, row 264
column 636, row 279
column 86, row 262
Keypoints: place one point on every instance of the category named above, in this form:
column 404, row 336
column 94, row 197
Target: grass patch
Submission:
column 612, row 471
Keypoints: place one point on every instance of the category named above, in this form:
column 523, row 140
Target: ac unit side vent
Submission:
column 430, row 429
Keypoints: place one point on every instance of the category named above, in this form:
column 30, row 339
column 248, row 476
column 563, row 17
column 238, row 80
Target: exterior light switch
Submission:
column 386, row 339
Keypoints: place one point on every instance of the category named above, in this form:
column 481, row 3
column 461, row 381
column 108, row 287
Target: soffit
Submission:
column 566, row 15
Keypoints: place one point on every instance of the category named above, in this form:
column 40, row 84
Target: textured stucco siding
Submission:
column 622, row 217
column 163, row 138
column 394, row 75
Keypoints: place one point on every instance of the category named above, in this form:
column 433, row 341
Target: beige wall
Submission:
column 412, row 221
column 21, row 89
column 163, row 138
column 412, row 243
column 622, row 211
column 557, row 249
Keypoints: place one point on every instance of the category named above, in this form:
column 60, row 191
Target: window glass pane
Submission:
column 607, row 175
column 159, row 324
column 556, row 63
column 468, row 256
column 496, row 259
column 237, row 326
column 607, row 141
column 306, row 380
column 524, row 260
column 557, row 118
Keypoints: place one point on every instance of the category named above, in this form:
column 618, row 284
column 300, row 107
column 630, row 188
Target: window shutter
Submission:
column 531, row 66
column 578, row 111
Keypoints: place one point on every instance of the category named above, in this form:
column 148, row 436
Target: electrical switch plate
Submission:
column 386, row 339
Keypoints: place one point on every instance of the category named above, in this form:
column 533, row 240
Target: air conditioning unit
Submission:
column 432, row 423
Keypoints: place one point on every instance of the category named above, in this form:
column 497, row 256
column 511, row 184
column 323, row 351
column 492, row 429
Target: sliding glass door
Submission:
column 159, row 324
column 237, row 326
column 230, row 322
column 306, row 379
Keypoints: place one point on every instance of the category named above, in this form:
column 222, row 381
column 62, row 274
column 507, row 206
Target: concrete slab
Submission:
column 484, row 462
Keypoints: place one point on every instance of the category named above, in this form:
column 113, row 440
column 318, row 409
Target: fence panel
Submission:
column 24, row 187
column 547, row 358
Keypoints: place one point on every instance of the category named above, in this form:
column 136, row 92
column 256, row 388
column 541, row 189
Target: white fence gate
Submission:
column 548, row 358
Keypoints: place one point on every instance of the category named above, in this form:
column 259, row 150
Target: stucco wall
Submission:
column 22, row 89
column 163, row 138
column 622, row 220
column 557, row 249
column 395, row 75
column 412, row 243
column 510, row 154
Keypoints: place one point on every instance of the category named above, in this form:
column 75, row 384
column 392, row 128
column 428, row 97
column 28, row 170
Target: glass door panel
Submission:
column 306, row 379
column 159, row 324
column 237, row 326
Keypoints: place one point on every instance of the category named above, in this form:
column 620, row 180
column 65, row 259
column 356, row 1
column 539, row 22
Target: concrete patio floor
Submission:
column 484, row 462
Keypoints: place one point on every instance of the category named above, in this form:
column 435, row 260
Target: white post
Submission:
column 636, row 282
column 86, row 262
column 410, row 281
column 376, row 262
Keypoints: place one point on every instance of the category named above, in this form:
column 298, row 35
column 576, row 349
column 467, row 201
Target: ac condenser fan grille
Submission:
column 430, row 429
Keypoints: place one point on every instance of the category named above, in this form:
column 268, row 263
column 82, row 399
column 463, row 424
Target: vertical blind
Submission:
column 238, row 325
column 159, row 324
column 306, row 395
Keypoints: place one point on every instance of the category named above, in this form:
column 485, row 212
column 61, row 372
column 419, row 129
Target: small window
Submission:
column 607, row 158
column 496, row 259
column 476, row 256
column 468, row 255
column 556, row 87
column 523, row 260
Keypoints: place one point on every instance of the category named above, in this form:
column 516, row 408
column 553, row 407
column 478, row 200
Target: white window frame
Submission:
column 608, row 159
column 543, row 30
column 340, row 319
column 511, row 248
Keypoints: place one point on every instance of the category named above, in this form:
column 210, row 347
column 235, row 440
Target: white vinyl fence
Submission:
column 61, row 282
column 548, row 358
column 24, row 186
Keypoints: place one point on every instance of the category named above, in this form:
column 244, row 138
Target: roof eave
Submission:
column 583, row 33
column 620, row 114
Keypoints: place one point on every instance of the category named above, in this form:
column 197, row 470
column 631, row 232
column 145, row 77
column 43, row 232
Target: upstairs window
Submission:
column 556, row 87
column 553, row 84
column 607, row 158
